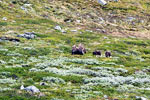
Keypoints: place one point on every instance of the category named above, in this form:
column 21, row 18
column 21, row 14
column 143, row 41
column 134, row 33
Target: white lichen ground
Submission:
column 65, row 76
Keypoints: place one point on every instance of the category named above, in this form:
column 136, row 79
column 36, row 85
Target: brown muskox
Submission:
column 107, row 54
column 80, row 50
column 97, row 52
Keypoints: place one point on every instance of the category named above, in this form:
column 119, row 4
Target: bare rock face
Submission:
column 97, row 52
column 107, row 54
column 80, row 50
column 42, row 84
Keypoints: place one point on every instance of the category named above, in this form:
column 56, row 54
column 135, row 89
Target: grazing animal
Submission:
column 107, row 54
column 97, row 52
column 80, row 50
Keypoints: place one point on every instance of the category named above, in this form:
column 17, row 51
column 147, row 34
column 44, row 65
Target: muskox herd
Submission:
column 80, row 50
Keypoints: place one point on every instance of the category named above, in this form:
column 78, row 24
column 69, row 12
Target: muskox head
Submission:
column 97, row 52
column 81, row 47
column 74, row 49
column 107, row 54
column 80, row 50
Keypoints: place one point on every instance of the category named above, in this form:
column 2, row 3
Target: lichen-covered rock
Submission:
column 27, row 35
column 102, row 2
column 58, row 28
column 32, row 89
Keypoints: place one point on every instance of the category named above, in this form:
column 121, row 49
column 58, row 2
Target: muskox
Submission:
column 107, row 54
column 80, row 50
column 97, row 52
column 74, row 49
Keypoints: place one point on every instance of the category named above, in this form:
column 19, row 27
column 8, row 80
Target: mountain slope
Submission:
column 123, row 18
column 36, row 38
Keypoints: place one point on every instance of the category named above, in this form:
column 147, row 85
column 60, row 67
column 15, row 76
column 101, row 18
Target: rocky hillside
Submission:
column 122, row 18
column 36, row 39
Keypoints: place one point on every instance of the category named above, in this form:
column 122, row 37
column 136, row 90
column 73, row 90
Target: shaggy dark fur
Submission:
column 80, row 50
column 107, row 54
column 97, row 52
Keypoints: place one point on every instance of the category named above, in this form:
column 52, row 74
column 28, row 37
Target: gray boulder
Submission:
column 27, row 35
column 32, row 89
column 102, row 2
column 58, row 28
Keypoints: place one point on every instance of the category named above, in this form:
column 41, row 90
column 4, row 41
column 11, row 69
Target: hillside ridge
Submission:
column 124, row 18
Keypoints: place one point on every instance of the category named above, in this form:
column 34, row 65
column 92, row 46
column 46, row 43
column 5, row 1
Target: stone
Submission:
column 9, row 39
column 58, row 28
column 41, row 95
column 78, row 21
column 102, row 2
column 63, row 31
column 25, row 65
column 116, row 0
column 88, row 30
column 105, row 96
column 68, row 20
column 28, row 48
column 32, row 89
column 27, row 35
column 47, row 8
column 142, row 98
column 105, row 37
column 130, row 19
column 73, row 30
column 23, row 8
column 42, row 84
column 4, row 18
column 27, row 5
column 102, row 21
column 22, row 87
